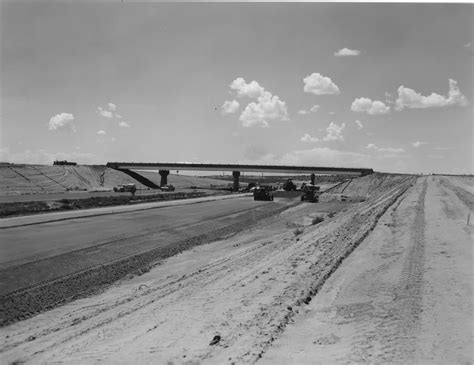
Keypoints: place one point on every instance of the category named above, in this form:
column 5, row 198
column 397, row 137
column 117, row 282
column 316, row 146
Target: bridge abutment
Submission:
column 236, row 175
column 164, row 177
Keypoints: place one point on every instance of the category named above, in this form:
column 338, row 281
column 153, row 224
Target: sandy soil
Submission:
column 246, row 289
column 404, row 296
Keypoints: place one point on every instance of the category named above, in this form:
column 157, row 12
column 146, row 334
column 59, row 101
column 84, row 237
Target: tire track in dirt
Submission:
column 270, row 323
column 253, row 310
column 399, row 330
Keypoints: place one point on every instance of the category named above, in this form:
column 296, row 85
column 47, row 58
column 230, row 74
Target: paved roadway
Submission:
column 88, row 194
column 57, row 248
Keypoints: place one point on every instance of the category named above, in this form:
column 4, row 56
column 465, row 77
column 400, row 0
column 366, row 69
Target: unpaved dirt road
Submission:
column 404, row 296
column 281, row 292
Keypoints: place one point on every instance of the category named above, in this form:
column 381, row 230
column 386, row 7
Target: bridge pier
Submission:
column 236, row 175
column 164, row 177
column 313, row 176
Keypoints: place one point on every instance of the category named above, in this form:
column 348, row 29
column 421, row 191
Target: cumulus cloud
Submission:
column 370, row 107
column 391, row 150
column 62, row 120
column 320, row 85
column 308, row 138
column 230, row 107
column 101, row 132
column 252, row 90
column 334, row 132
column 408, row 98
column 418, row 144
column 112, row 107
column 124, row 124
column 347, row 52
column 118, row 116
column 359, row 124
column 267, row 106
column 302, row 112
column 314, row 108
column 105, row 113
column 322, row 156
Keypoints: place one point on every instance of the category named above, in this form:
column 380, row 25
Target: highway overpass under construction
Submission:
column 165, row 167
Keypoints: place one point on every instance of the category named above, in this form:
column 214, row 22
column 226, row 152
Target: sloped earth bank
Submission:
column 47, row 179
column 404, row 296
column 242, row 292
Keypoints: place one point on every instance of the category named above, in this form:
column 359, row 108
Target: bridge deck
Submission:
column 239, row 167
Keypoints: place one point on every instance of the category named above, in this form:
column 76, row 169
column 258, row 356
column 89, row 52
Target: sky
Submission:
column 384, row 86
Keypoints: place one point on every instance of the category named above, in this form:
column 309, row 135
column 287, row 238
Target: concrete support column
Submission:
column 236, row 175
column 313, row 176
column 164, row 177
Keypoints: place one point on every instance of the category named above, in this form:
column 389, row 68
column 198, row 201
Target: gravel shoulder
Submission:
column 403, row 296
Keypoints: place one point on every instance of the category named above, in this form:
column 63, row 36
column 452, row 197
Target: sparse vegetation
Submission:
column 317, row 220
column 25, row 208
column 298, row 231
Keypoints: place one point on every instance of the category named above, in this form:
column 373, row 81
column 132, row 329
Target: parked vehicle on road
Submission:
column 123, row 188
column 263, row 192
column 167, row 188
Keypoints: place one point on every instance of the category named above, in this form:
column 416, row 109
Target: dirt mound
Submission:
column 364, row 187
column 37, row 179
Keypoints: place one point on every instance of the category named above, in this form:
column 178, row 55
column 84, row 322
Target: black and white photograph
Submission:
column 236, row 182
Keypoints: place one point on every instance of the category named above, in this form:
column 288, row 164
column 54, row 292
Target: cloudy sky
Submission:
column 387, row 86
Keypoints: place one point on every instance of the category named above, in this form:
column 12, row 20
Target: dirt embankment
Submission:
column 244, row 291
column 41, row 179
column 405, row 295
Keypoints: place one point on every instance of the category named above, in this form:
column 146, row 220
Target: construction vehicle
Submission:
column 289, row 185
column 131, row 188
column 263, row 192
column 167, row 188
column 310, row 193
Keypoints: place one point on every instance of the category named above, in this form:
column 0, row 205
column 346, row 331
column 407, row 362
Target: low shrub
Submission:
column 298, row 231
column 316, row 220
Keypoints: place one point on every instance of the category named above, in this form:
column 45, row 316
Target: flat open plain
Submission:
column 388, row 279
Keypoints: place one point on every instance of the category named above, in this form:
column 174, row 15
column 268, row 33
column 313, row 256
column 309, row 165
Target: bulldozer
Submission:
column 289, row 185
column 310, row 193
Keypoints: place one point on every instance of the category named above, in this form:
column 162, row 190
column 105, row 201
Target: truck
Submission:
column 263, row 192
column 310, row 193
column 167, row 188
column 123, row 188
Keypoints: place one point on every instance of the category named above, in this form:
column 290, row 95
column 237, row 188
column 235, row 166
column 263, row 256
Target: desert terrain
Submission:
column 381, row 276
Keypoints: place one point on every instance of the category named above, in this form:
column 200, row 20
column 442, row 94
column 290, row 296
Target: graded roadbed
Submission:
column 53, row 217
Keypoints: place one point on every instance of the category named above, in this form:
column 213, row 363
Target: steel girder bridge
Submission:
column 165, row 167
